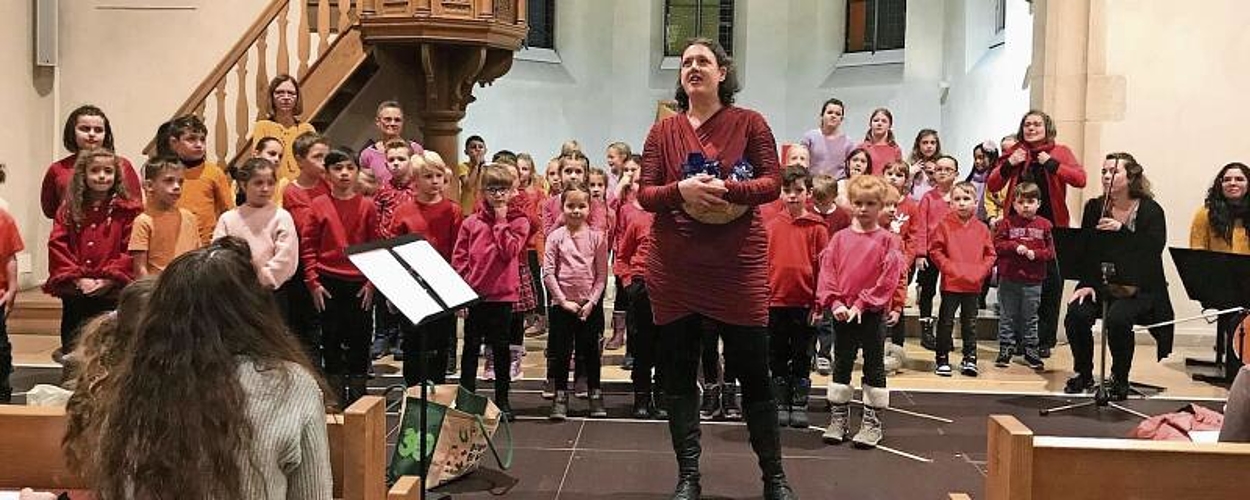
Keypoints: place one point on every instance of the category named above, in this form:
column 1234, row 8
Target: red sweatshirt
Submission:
column 333, row 225
column 794, row 246
column 388, row 199
column 933, row 208
column 1013, row 231
column 438, row 223
column 487, row 252
column 835, row 220
column 95, row 248
column 627, row 210
column 635, row 246
column 56, row 181
column 859, row 270
column 298, row 201
column 963, row 252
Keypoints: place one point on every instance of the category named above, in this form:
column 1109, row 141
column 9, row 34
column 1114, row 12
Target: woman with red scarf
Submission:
column 1037, row 158
column 704, row 172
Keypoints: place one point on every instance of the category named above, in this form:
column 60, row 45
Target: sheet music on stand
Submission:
column 413, row 276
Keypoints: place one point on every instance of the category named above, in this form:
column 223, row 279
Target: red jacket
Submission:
column 487, row 252
column 626, row 211
column 635, row 246
column 56, row 181
column 859, row 270
column 95, row 248
column 438, row 223
column 794, row 246
column 333, row 225
column 964, row 253
column 1013, row 231
column 298, row 201
column 1062, row 170
column 901, row 224
column 932, row 209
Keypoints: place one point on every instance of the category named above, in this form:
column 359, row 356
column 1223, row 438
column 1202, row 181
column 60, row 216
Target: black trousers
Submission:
column 76, row 310
column 565, row 330
column 1048, row 310
column 790, row 340
column 433, row 356
column 346, row 329
column 746, row 350
column 644, row 336
column 851, row 337
column 6, row 349
column 966, row 303
column 301, row 316
column 1122, row 314
column 489, row 322
column 926, row 282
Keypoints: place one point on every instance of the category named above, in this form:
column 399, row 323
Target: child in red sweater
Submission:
column 486, row 255
column 795, row 240
column 824, row 193
column 623, row 205
column 88, row 260
column 635, row 246
column 295, row 196
column 393, row 193
column 859, row 272
column 10, row 245
column 339, row 291
column 933, row 207
column 963, row 251
column 1024, row 246
column 438, row 220
column 901, row 220
column 892, row 327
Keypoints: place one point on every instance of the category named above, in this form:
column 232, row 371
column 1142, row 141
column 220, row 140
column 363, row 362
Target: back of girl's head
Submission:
column 824, row 188
column 101, row 346
column 867, row 186
column 574, row 187
column 175, row 129
column 207, row 313
column 252, row 168
column 340, row 154
column 68, row 138
column 916, row 155
column 496, row 174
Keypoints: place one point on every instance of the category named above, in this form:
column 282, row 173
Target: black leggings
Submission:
column 851, row 337
column 746, row 350
column 790, row 342
column 565, row 330
column 487, row 321
column 345, row 329
column 301, row 317
column 433, row 335
column 1048, row 309
column 644, row 336
column 926, row 281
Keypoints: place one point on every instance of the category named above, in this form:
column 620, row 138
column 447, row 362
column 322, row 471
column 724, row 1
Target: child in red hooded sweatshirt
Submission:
column 486, row 255
column 934, row 206
column 795, row 240
column 963, row 251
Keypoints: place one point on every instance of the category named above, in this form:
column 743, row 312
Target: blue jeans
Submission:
column 1017, row 315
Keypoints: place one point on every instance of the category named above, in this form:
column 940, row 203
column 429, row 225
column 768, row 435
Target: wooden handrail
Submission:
column 228, row 62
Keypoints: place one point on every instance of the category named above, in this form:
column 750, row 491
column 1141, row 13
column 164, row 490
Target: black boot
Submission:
column 683, row 428
column 781, row 394
column 357, row 387
column 761, row 417
column 642, row 405
column 501, row 400
column 338, row 389
column 798, row 403
column 659, row 404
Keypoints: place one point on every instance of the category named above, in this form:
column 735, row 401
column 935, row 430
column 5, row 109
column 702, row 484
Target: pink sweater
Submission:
column 487, row 250
column 859, row 270
column 270, row 233
column 575, row 266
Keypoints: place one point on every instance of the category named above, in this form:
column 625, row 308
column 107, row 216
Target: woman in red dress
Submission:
column 704, row 172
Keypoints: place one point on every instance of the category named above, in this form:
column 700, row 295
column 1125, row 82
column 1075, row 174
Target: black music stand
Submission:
column 415, row 278
column 1082, row 254
column 1219, row 281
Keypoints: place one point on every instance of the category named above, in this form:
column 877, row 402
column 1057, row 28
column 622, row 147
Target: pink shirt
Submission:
column 553, row 215
column 575, row 266
column 270, row 233
column 859, row 270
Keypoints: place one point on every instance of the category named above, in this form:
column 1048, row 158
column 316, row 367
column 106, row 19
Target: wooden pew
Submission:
column 30, row 450
column 1027, row 467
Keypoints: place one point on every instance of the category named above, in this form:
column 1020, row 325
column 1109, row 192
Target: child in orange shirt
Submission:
column 963, row 251
column 206, row 190
column 163, row 231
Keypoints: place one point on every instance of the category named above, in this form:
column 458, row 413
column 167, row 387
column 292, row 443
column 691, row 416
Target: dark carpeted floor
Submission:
column 629, row 460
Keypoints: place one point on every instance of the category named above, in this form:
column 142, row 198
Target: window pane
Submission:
column 891, row 21
column 541, row 16
column 686, row 19
column 873, row 25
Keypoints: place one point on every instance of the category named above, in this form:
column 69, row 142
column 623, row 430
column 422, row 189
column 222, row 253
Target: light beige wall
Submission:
column 26, row 144
column 1168, row 85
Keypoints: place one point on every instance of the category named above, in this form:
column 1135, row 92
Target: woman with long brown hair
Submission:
column 704, row 173
column 215, row 399
column 1222, row 224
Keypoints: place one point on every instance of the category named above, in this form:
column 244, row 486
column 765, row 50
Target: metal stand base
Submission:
column 1100, row 400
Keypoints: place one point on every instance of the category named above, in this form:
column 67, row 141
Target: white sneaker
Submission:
column 823, row 366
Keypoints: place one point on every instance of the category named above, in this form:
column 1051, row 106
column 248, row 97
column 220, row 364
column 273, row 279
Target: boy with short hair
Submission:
column 931, row 211
column 438, row 220
column 392, row 194
column 295, row 196
column 963, row 252
column 163, row 231
column 340, row 292
column 486, row 255
column 795, row 239
column 824, row 193
column 1024, row 245
column 206, row 190
column 469, row 171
